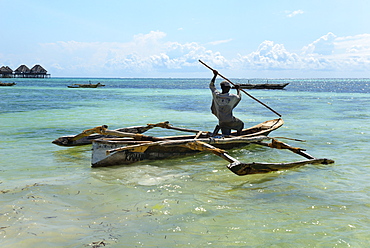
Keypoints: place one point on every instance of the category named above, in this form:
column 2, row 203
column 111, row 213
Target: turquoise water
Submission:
column 51, row 197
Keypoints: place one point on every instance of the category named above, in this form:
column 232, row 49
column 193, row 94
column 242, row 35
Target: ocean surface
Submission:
column 51, row 197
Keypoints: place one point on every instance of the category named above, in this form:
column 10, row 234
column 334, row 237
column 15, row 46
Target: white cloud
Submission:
column 145, row 55
column 149, row 55
column 324, row 45
column 341, row 53
column 294, row 13
column 329, row 52
column 358, row 44
column 270, row 56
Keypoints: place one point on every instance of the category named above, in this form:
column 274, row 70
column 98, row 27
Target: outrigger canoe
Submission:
column 128, row 145
column 86, row 85
column 7, row 84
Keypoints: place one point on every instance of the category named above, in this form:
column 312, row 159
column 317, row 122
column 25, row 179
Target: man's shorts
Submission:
column 226, row 127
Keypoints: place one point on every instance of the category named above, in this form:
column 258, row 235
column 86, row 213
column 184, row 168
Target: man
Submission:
column 222, row 107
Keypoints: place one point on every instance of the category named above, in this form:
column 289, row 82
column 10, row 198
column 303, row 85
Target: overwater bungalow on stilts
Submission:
column 6, row 72
column 24, row 72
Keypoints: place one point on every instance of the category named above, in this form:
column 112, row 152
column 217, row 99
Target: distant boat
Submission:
column 7, row 84
column 90, row 85
column 264, row 86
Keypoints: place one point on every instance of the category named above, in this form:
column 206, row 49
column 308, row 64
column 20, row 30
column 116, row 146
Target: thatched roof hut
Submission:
column 38, row 69
column 6, row 72
column 22, row 69
column 6, row 69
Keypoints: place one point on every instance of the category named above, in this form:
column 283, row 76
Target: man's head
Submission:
column 225, row 86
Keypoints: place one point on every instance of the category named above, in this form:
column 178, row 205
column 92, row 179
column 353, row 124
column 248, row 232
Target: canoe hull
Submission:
column 100, row 159
column 157, row 152
column 264, row 86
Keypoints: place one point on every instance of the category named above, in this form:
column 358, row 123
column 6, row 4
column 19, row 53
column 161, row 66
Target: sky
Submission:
column 167, row 38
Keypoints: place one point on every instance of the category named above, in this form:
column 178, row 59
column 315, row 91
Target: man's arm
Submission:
column 237, row 87
column 212, row 84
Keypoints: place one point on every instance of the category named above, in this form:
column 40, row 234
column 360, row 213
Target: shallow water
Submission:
column 50, row 196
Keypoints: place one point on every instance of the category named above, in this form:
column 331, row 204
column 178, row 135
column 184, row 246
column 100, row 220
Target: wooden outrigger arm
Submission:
column 86, row 136
column 242, row 169
column 280, row 145
column 167, row 125
column 103, row 130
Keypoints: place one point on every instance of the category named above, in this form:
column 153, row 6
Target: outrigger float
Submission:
column 126, row 146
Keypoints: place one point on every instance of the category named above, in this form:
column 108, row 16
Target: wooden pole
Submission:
column 242, row 90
